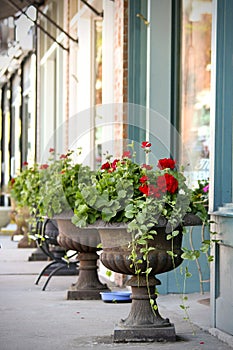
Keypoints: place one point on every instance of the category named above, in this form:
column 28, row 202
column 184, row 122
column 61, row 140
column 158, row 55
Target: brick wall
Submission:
column 120, row 87
column 121, row 51
column 120, row 73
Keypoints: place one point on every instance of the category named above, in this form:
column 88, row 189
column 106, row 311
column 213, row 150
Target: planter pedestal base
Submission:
column 38, row 255
column 25, row 242
column 143, row 323
column 144, row 334
column 88, row 286
column 85, row 243
column 84, row 294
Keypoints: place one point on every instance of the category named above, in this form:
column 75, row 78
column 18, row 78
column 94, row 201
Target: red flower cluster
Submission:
column 106, row 165
column 150, row 190
column 145, row 144
column 147, row 167
column 164, row 183
column 63, row 156
column 114, row 164
column 12, row 181
column 110, row 166
column 126, row 154
column 44, row 166
column 167, row 182
column 144, row 189
column 166, row 163
column 143, row 179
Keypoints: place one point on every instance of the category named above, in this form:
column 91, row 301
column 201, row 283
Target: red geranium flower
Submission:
column 143, row 179
column 25, row 163
column 167, row 182
column 106, row 165
column 126, row 154
column 154, row 191
column 63, row 156
column 51, row 150
column 172, row 183
column 144, row 189
column 150, row 190
column 114, row 164
column 44, row 166
column 147, row 167
column 161, row 183
column 145, row 144
column 166, row 163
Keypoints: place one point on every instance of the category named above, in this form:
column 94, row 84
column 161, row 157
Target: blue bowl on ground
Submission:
column 116, row 297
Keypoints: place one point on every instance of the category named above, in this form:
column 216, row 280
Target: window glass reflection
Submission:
column 195, row 87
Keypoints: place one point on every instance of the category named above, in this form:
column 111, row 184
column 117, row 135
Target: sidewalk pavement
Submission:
column 34, row 319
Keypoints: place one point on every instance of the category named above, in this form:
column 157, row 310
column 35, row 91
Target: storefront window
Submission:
column 195, row 87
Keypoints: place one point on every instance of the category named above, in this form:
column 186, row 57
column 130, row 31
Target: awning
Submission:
column 12, row 7
column 8, row 8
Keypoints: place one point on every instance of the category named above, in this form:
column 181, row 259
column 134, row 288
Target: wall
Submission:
column 221, row 169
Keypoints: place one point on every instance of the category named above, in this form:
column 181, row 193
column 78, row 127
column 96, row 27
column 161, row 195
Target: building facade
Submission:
column 100, row 73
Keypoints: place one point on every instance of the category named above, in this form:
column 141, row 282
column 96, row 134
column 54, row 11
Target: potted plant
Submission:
column 59, row 179
column 140, row 213
column 24, row 190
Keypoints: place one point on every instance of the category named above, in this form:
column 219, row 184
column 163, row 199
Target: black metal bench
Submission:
column 60, row 263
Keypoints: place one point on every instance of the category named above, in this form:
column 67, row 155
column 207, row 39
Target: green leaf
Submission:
column 139, row 261
column 204, row 248
column 188, row 274
column 175, row 233
column 152, row 302
column 148, row 270
column 154, row 232
column 129, row 214
column 122, row 194
column 107, row 216
column 206, row 241
column 108, row 273
column 170, row 253
column 190, row 254
column 130, row 207
column 141, row 241
column 102, row 201
column 140, row 218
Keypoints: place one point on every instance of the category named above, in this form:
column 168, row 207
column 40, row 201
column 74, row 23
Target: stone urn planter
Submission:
column 21, row 220
column 143, row 323
column 85, row 242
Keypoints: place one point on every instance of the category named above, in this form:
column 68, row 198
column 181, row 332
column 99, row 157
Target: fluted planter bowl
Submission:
column 85, row 242
column 75, row 238
column 116, row 251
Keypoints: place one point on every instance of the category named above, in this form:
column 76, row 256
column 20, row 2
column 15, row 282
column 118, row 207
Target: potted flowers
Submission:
column 24, row 190
column 125, row 191
column 59, row 181
column 140, row 213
